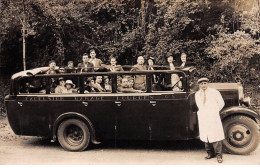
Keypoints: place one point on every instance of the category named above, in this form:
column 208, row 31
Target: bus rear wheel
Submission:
column 73, row 135
column 242, row 135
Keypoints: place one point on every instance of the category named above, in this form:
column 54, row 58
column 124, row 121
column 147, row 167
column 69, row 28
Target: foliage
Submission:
column 221, row 37
column 231, row 54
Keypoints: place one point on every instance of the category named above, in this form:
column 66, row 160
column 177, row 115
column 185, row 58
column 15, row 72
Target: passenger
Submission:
column 90, row 86
column 52, row 68
column 113, row 66
column 26, row 88
column 107, row 85
column 156, row 80
column 172, row 81
column 140, row 80
column 184, row 61
column 130, row 82
column 61, row 87
column 97, row 84
column 70, row 67
column 43, row 87
column 151, row 68
column 62, row 70
column 86, row 66
column 95, row 61
column 69, row 87
column 125, row 87
column 53, row 85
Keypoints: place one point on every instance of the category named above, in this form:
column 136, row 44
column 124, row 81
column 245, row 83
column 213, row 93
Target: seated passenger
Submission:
column 90, row 86
column 69, row 87
column 113, row 66
column 172, row 80
column 43, row 87
column 140, row 80
column 85, row 66
column 97, row 84
column 26, row 88
column 53, row 85
column 61, row 87
column 125, row 88
column 107, row 86
column 130, row 82
column 62, row 70
column 70, row 67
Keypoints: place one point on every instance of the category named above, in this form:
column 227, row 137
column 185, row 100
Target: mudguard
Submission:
column 69, row 115
column 239, row 110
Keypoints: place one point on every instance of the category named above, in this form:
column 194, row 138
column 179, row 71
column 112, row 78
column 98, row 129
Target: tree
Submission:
column 232, row 53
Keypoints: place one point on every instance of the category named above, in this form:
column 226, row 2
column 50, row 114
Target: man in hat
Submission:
column 61, row 87
column 140, row 80
column 210, row 102
column 86, row 66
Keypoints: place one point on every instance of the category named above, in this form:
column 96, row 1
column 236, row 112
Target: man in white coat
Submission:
column 210, row 102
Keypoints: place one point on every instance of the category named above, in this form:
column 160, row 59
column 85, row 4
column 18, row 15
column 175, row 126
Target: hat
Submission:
column 69, row 82
column 203, row 80
column 61, row 78
column 151, row 58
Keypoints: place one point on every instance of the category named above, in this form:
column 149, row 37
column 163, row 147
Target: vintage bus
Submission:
column 157, row 112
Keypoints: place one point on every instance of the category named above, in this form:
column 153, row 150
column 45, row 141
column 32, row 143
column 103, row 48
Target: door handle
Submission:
column 85, row 103
column 118, row 103
column 20, row 104
column 153, row 103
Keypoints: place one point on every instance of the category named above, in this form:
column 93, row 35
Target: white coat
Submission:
column 210, row 125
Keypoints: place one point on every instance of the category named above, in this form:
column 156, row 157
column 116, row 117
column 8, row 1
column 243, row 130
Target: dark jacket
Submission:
column 88, row 67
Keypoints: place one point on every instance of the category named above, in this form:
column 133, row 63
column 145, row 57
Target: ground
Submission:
column 34, row 150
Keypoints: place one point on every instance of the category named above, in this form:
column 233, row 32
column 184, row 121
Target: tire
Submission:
column 242, row 135
column 73, row 135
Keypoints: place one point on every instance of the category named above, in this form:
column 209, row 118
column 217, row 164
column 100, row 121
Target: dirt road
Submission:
column 32, row 150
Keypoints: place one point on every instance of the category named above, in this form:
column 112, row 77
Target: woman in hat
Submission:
column 69, row 87
column 61, row 87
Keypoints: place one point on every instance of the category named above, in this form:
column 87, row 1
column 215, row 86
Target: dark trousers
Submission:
column 214, row 149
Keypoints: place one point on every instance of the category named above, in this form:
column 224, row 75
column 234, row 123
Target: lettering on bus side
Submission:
column 37, row 98
column 120, row 98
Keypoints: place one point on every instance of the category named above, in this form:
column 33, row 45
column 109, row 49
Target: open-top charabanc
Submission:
column 157, row 112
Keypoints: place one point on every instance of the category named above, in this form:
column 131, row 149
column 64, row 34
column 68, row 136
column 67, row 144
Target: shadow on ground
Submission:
column 124, row 144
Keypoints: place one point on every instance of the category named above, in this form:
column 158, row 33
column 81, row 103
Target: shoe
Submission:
column 209, row 156
column 219, row 159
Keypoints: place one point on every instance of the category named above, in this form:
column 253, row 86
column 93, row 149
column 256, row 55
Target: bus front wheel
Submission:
column 242, row 135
